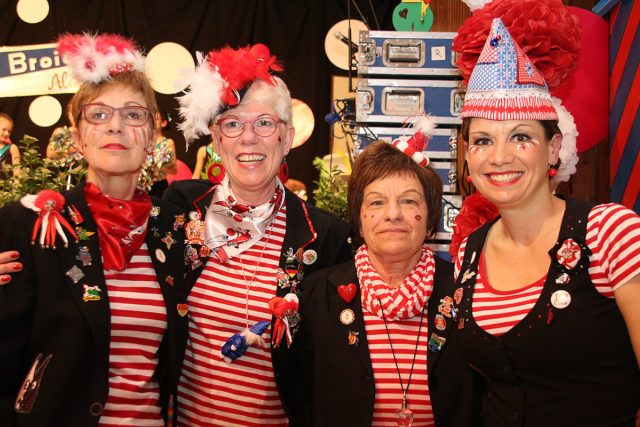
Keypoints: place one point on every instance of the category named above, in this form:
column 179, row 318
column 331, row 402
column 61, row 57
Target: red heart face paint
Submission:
column 418, row 217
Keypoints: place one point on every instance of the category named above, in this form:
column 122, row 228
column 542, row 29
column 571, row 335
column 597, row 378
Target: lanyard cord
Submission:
column 393, row 353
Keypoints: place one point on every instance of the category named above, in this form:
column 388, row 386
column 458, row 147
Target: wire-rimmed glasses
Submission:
column 262, row 126
column 131, row 115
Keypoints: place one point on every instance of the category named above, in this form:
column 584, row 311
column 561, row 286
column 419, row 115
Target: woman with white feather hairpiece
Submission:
column 93, row 329
column 250, row 241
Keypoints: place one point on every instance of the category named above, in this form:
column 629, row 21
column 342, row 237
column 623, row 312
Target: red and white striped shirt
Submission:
column 212, row 392
column 613, row 235
column 388, row 394
column 138, row 324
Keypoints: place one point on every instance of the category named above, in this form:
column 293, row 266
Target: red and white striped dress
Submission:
column 388, row 394
column 242, row 393
column 613, row 235
column 138, row 324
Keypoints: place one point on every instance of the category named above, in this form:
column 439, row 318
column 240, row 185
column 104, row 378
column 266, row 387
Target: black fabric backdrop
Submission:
column 294, row 30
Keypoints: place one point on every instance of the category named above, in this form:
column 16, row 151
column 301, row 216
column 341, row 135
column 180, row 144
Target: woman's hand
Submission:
column 7, row 266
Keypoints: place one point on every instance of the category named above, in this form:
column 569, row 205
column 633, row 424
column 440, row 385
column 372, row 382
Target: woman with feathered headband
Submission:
column 249, row 242
column 550, row 313
column 92, row 330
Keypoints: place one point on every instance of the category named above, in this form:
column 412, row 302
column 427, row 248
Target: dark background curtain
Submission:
column 294, row 30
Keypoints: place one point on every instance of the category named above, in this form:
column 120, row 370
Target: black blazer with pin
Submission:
column 336, row 378
column 43, row 317
column 309, row 229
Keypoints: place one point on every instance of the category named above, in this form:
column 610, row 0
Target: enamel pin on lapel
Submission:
column 347, row 292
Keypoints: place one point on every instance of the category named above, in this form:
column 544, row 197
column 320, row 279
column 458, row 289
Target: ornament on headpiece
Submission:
column 96, row 58
column 418, row 142
column 218, row 82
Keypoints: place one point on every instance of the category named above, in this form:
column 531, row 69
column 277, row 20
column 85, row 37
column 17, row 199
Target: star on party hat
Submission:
column 504, row 84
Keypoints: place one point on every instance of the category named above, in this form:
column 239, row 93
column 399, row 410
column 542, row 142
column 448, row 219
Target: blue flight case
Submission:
column 393, row 100
column 417, row 53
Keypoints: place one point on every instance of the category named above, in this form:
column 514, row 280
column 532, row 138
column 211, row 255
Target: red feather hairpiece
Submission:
column 240, row 67
column 217, row 83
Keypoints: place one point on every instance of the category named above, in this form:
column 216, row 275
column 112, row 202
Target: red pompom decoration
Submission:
column 49, row 200
column 260, row 51
column 475, row 212
column 545, row 29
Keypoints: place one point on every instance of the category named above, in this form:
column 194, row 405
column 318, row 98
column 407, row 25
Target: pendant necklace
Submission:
column 404, row 416
column 247, row 285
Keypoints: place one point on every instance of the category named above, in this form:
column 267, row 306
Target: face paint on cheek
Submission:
column 475, row 149
column 418, row 217
column 140, row 137
column 87, row 132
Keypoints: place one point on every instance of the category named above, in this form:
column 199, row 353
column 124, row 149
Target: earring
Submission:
column 216, row 173
column 283, row 172
column 469, row 180
column 553, row 170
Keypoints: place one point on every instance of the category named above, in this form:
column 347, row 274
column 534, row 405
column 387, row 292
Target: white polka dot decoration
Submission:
column 164, row 65
column 32, row 11
column 45, row 111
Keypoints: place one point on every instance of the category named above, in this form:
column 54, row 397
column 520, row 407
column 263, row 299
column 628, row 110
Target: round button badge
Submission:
column 347, row 316
column 560, row 299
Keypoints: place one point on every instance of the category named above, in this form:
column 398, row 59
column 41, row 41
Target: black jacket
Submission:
column 337, row 385
column 42, row 312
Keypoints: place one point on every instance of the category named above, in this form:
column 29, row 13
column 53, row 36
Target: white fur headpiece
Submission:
column 95, row 58
column 568, row 151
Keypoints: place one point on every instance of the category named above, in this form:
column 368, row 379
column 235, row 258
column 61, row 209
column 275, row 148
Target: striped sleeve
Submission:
column 459, row 258
column 613, row 235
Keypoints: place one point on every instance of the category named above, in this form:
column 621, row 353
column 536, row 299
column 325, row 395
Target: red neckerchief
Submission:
column 122, row 224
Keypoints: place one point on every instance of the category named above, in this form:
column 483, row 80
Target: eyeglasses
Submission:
column 131, row 115
column 262, row 126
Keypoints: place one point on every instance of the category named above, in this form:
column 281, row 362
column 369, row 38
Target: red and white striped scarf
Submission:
column 405, row 301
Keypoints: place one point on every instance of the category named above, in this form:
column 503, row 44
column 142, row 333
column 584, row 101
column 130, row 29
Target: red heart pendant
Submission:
column 347, row 292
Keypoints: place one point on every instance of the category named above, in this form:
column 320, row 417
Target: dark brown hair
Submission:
column 381, row 160
column 550, row 128
column 136, row 80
